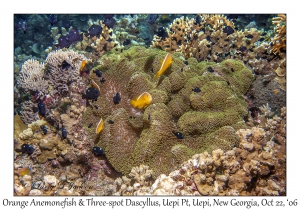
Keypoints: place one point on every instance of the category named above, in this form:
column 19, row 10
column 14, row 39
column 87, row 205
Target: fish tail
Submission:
column 133, row 103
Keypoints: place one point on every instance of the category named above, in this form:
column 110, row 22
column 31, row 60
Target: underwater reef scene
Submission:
column 150, row 104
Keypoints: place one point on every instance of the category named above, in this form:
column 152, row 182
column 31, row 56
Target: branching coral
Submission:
column 139, row 136
column 32, row 76
column 98, row 45
column 214, row 38
column 279, row 42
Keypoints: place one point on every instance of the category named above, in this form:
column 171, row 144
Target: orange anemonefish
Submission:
column 165, row 65
column 82, row 65
column 24, row 171
column 99, row 126
column 141, row 101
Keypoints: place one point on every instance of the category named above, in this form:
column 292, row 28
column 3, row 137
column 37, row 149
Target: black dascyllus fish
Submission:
column 98, row 151
column 243, row 48
column 90, row 125
column 111, row 122
column 28, row 149
column 42, row 109
column 92, row 93
column 210, row 69
column 94, row 30
column 44, row 129
column 65, row 65
column 198, row 20
column 161, row 32
column 126, row 42
column 249, row 36
column 102, row 80
column 228, row 30
column 178, row 135
column 196, row 90
column 74, row 35
column 98, row 73
column 117, row 98
column 109, row 22
column 64, row 132
column 52, row 19
column 152, row 18
column 63, row 42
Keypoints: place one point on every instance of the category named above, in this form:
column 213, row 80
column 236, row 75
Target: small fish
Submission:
column 127, row 42
column 210, row 69
column 63, row 42
column 117, row 98
column 98, row 73
column 161, row 32
column 96, row 106
column 42, row 109
column 275, row 91
column 165, row 65
column 65, row 65
column 21, row 25
column 249, row 36
column 102, row 80
column 232, row 70
column 141, row 101
column 52, row 19
column 196, row 90
column 99, row 126
column 92, row 93
column 148, row 116
column 28, row 149
column 109, row 22
column 198, row 20
column 44, row 129
column 243, row 48
column 152, row 18
column 228, row 83
column 90, row 125
column 228, row 30
column 98, row 151
column 24, row 171
column 111, row 122
column 178, row 135
column 94, row 30
column 63, row 132
column 83, row 63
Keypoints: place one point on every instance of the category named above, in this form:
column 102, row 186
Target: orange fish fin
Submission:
column 99, row 126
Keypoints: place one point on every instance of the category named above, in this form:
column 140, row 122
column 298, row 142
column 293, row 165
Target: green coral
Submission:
column 207, row 119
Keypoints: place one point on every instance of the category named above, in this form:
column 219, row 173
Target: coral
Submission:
column 98, row 46
column 257, row 166
column 27, row 115
column 206, row 40
column 267, row 90
column 138, row 182
column 32, row 76
column 279, row 41
column 61, row 78
column 207, row 119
